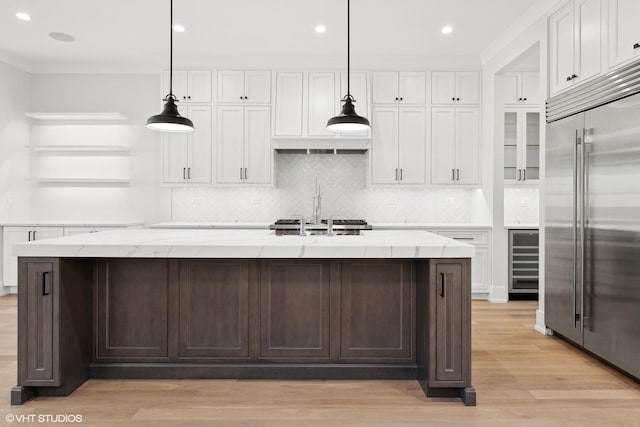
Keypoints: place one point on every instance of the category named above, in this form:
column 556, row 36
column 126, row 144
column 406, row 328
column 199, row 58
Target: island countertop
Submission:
column 165, row 243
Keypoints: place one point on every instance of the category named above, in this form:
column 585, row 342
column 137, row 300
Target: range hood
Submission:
column 322, row 146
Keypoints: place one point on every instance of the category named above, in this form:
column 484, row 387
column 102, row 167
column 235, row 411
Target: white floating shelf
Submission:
column 83, row 181
column 80, row 148
column 78, row 116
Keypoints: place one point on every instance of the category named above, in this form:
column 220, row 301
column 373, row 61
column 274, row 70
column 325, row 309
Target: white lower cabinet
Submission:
column 13, row 235
column 480, row 263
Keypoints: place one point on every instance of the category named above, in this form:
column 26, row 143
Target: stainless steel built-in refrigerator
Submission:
column 592, row 217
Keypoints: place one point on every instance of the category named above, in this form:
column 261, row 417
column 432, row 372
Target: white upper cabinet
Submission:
column 624, row 31
column 398, row 148
column 520, row 88
column 186, row 156
column 455, row 145
column 244, row 87
column 323, row 102
column 305, row 101
column 455, row 87
column 189, row 85
column 404, row 88
column 521, row 146
column 289, row 104
column 575, row 53
column 244, row 144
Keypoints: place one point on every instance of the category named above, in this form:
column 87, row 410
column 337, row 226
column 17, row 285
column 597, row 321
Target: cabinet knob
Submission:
column 396, row 98
column 524, row 99
column 453, row 99
column 184, row 97
column 636, row 45
column 189, row 97
column 401, row 98
column 519, row 99
column 457, row 99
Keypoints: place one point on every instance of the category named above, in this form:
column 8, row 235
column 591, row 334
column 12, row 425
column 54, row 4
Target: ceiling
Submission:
column 137, row 31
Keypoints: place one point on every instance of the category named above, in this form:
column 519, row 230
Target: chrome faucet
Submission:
column 317, row 201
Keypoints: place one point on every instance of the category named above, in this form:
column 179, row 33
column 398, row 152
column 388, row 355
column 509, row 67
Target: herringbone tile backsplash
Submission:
column 344, row 191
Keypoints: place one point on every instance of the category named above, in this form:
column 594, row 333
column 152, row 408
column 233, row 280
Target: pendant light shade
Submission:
column 348, row 120
column 170, row 119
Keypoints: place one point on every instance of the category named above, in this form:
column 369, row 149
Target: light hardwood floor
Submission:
column 522, row 378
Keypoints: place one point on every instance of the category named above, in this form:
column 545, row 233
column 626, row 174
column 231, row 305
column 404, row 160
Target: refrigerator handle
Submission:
column 586, row 141
column 576, row 171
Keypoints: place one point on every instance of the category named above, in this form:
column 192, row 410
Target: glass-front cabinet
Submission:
column 522, row 146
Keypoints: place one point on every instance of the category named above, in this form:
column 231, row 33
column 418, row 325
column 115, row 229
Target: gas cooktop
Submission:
column 324, row 227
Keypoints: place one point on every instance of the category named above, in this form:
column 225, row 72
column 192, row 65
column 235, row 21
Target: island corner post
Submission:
column 81, row 318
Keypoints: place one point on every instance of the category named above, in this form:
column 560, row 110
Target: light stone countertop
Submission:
column 72, row 223
column 158, row 243
column 265, row 225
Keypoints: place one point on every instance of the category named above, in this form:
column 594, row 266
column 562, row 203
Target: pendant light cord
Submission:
column 170, row 50
column 348, row 49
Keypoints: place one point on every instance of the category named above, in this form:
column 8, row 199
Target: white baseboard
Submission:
column 480, row 296
column 540, row 325
column 499, row 294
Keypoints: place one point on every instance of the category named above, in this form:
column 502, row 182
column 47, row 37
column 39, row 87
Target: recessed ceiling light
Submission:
column 321, row 29
column 23, row 16
column 179, row 28
column 62, row 37
column 447, row 29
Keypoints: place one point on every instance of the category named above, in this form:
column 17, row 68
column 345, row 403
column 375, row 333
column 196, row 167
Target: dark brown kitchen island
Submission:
column 386, row 305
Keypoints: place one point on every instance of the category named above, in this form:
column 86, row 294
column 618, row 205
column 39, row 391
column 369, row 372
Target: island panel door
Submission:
column 294, row 309
column 131, row 308
column 377, row 311
column 214, row 308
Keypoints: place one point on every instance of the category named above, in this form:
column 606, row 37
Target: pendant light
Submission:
column 348, row 120
column 170, row 119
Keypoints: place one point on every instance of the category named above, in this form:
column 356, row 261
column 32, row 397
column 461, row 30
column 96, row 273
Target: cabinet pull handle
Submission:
column 457, row 174
column 569, row 78
column 519, row 174
column 636, row 45
column 241, row 174
column 453, row 174
column 34, row 234
column 188, row 173
column 184, row 173
column 442, row 276
column 29, row 236
column 245, row 173
column 524, row 174
column 45, row 289
column 400, row 174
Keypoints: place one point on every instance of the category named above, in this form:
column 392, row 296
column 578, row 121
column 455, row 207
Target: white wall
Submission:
column 493, row 156
column 136, row 96
column 15, row 88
